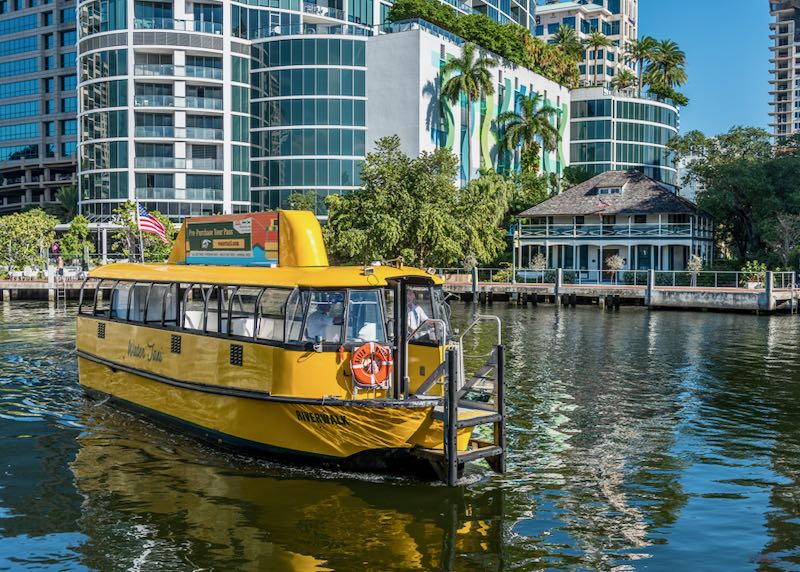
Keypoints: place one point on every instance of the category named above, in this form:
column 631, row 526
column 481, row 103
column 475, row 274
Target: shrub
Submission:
column 753, row 271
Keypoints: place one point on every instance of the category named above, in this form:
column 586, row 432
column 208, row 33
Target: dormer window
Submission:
column 609, row 191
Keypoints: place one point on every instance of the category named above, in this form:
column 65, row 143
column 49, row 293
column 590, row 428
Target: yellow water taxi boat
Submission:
column 248, row 338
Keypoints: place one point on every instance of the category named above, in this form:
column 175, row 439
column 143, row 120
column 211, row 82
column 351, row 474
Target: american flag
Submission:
column 149, row 223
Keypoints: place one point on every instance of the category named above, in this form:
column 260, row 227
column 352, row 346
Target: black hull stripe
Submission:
column 260, row 395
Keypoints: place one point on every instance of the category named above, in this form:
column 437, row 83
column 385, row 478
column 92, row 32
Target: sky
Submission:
column 727, row 55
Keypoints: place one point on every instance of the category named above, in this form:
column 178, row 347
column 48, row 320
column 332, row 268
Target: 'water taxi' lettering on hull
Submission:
column 150, row 353
column 322, row 418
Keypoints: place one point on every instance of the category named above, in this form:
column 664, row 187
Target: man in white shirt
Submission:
column 318, row 322
column 416, row 314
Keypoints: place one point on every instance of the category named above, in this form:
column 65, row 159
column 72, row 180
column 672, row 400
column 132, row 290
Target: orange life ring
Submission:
column 371, row 365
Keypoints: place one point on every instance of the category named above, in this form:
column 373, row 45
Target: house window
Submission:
column 639, row 219
column 609, row 191
column 578, row 220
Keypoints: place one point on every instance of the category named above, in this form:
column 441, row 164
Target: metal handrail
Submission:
column 482, row 318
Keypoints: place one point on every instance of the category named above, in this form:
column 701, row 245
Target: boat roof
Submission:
column 289, row 277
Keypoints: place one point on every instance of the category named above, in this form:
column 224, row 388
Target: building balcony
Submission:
column 155, row 192
column 159, row 163
column 203, row 72
column 314, row 9
column 156, row 132
column 203, row 103
column 204, row 133
column 154, row 70
column 177, row 25
column 157, row 101
column 178, row 163
column 606, row 231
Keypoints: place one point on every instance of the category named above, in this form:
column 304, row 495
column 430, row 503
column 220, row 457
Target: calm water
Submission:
column 652, row 441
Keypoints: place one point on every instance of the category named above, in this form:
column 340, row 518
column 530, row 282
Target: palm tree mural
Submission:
column 641, row 51
column 623, row 80
column 533, row 121
column 594, row 42
column 472, row 77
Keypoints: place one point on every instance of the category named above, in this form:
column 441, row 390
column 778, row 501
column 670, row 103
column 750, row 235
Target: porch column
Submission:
column 574, row 256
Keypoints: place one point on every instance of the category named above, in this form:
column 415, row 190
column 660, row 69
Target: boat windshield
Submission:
column 365, row 322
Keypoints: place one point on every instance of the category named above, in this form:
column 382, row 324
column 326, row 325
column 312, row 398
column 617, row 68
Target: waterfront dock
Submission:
column 723, row 291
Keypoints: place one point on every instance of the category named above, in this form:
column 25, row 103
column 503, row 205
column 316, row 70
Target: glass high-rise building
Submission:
column 203, row 107
column 614, row 131
column 38, row 103
column 785, row 81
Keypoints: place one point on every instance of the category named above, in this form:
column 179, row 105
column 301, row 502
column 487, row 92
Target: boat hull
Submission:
column 365, row 435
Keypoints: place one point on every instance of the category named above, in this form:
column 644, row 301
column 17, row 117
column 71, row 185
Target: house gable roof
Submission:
column 640, row 195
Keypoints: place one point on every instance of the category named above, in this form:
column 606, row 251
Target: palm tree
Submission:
column 534, row 120
column 641, row 51
column 472, row 78
column 667, row 64
column 623, row 80
column 566, row 39
column 65, row 203
column 595, row 41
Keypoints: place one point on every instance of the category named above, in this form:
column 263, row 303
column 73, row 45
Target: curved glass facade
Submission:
column 620, row 133
column 309, row 117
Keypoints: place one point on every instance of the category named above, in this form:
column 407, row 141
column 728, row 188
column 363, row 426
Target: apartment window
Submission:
column 69, row 127
column 49, row 41
column 49, row 85
column 50, row 129
column 68, row 38
column 47, row 19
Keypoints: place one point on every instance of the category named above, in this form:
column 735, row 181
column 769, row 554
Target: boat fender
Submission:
column 371, row 366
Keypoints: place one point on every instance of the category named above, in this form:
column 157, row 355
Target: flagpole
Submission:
column 139, row 229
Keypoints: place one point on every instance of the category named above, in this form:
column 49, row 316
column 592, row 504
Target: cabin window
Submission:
column 295, row 308
column 216, row 306
column 103, row 299
column 441, row 308
column 156, row 307
column 364, row 320
column 171, row 300
column 194, row 303
column 137, row 300
column 243, row 312
column 272, row 314
column 325, row 317
column 418, row 309
column 119, row 300
column 88, row 293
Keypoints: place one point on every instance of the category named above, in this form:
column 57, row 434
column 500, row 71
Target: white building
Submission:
column 406, row 101
column 616, row 19
column 785, row 67
column 620, row 213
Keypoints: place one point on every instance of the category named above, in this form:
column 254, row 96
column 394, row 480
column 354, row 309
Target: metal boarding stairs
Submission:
column 459, row 412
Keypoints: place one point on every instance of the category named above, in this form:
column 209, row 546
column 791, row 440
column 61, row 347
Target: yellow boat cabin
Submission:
column 247, row 338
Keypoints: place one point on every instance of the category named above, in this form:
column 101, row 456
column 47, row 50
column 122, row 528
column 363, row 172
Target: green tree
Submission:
column 641, row 51
column 533, row 121
column 301, row 201
column 25, row 238
column 414, row 211
column 594, row 42
column 575, row 175
column 65, row 206
column 745, row 186
column 75, row 242
column 125, row 239
column 623, row 80
column 469, row 75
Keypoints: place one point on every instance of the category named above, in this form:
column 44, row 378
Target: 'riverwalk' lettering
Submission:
column 137, row 351
column 323, row 418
